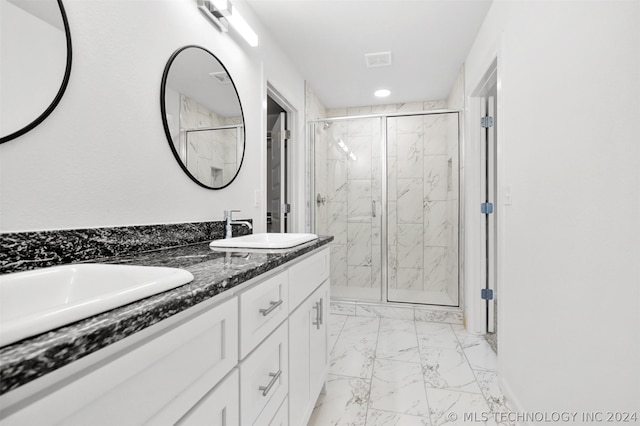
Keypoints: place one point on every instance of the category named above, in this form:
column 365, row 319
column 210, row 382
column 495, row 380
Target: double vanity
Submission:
column 244, row 342
column 149, row 324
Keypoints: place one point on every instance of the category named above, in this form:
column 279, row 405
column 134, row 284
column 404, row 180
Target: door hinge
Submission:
column 286, row 208
column 286, row 134
column 486, row 122
column 486, row 294
column 486, row 208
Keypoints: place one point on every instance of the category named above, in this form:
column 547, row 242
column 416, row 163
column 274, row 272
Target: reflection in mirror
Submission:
column 35, row 63
column 202, row 117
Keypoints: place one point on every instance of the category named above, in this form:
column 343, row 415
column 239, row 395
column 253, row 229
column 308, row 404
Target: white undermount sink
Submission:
column 33, row 302
column 264, row 241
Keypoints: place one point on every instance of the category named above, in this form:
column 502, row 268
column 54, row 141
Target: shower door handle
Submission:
column 373, row 208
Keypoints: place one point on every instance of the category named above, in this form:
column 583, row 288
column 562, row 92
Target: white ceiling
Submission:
column 327, row 40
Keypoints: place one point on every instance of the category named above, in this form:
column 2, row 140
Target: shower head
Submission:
column 326, row 124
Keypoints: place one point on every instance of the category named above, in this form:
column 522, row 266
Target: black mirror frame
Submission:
column 165, row 124
column 63, row 85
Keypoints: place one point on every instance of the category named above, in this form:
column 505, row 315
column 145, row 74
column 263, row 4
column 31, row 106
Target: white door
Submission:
column 300, row 323
column 491, row 224
column 489, row 197
column 277, row 171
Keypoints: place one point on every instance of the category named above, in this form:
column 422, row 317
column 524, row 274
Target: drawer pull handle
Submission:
column 316, row 322
column 321, row 312
column 274, row 378
column 270, row 309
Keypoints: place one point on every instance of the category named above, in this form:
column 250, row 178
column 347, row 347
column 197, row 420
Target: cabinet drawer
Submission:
column 262, row 309
column 219, row 407
column 280, row 418
column 149, row 381
column 264, row 377
column 306, row 276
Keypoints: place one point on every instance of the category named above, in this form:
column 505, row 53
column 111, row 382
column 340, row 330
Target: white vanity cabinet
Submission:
column 257, row 358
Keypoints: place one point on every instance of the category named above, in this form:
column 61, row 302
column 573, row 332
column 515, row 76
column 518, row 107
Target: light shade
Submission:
column 221, row 13
column 243, row 28
column 382, row 93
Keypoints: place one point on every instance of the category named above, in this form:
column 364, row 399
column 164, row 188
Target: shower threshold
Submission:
column 407, row 311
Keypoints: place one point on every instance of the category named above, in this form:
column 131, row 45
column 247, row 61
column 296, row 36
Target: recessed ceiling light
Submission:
column 382, row 93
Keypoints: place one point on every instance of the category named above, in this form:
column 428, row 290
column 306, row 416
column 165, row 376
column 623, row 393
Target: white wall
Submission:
column 101, row 158
column 569, row 94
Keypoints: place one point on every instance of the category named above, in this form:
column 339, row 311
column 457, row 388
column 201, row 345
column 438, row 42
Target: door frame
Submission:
column 475, row 226
column 276, row 155
column 294, row 170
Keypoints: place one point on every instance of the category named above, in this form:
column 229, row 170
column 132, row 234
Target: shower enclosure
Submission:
column 387, row 188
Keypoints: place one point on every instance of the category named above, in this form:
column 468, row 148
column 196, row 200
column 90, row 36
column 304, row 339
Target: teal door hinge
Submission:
column 486, row 208
column 486, row 294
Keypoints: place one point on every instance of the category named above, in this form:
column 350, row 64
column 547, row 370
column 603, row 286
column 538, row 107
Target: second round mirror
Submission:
column 202, row 117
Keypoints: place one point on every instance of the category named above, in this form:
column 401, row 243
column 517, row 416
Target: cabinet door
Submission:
column 318, row 353
column 308, row 357
column 280, row 419
column 155, row 383
column 299, row 389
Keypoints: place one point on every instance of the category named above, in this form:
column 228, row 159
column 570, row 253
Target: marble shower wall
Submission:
column 211, row 156
column 348, row 176
column 314, row 110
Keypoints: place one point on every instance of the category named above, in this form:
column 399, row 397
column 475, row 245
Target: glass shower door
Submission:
column 348, row 196
column 423, row 189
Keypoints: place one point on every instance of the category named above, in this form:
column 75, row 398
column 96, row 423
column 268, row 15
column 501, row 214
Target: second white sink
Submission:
column 33, row 302
column 264, row 241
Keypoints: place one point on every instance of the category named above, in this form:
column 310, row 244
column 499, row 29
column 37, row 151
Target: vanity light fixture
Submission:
column 222, row 13
column 382, row 93
column 237, row 21
column 215, row 10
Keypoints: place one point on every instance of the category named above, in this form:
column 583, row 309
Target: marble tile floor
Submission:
column 401, row 372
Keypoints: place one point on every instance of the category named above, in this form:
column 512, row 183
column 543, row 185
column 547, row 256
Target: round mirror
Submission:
column 202, row 117
column 35, row 63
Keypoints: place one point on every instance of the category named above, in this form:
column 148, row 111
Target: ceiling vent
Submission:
column 380, row 59
column 222, row 77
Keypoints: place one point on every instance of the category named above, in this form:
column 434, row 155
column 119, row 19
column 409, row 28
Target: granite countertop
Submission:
column 214, row 272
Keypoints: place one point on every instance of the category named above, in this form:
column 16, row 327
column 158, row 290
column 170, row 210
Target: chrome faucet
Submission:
column 228, row 221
